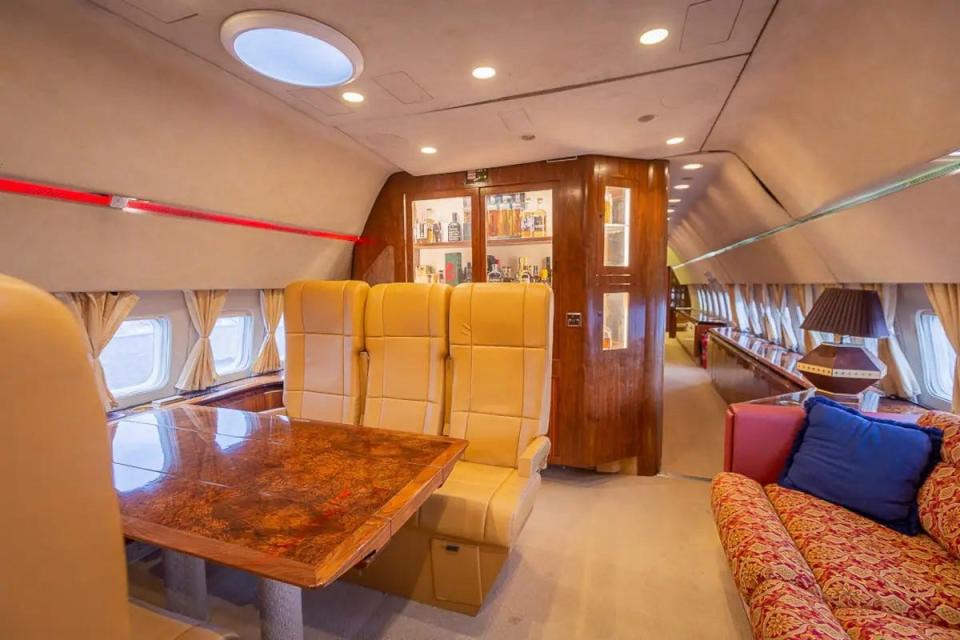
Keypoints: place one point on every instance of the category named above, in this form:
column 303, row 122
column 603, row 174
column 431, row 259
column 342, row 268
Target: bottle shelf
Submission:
column 506, row 242
column 463, row 244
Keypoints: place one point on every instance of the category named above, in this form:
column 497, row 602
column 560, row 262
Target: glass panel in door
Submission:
column 442, row 237
column 519, row 236
column 616, row 227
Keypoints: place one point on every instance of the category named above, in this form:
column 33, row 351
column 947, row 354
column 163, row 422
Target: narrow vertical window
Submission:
column 615, row 320
column 616, row 227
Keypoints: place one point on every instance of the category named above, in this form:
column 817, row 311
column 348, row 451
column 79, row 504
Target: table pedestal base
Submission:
column 281, row 611
column 185, row 581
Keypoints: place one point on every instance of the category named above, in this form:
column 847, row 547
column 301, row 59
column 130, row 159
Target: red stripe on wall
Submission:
column 41, row 190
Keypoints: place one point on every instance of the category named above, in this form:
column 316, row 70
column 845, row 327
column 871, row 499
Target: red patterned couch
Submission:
column 809, row 569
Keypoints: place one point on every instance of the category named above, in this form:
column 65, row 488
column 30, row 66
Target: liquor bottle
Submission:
column 506, row 213
column 516, row 231
column 468, row 273
column 540, row 220
column 438, row 231
column 467, row 221
column 493, row 216
column 453, row 229
column 607, row 207
column 428, row 237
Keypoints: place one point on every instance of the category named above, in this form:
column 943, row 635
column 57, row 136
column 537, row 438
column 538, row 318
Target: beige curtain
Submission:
column 804, row 295
column 945, row 299
column 271, row 308
column 770, row 313
column 900, row 379
column 781, row 296
column 204, row 307
column 100, row 314
column 753, row 310
column 737, row 307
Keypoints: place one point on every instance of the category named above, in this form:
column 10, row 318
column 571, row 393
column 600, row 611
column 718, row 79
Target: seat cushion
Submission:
column 784, row 611
column 859, row 563
column 866, row 624
column 757, row 546
column 480, row 503
column 149, row 623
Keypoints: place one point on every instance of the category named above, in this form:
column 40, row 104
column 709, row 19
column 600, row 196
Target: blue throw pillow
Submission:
column 872, row 467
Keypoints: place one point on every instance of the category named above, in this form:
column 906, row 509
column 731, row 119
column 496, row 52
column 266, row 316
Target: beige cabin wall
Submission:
column 837, row 98
column 90, row 100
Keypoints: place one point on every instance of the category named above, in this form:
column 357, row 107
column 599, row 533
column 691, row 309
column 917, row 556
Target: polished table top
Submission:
column 293, row 500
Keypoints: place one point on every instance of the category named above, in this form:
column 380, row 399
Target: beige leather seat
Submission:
column 324, row 368
column 451, row 552
column 406, row 338
column 61, row 545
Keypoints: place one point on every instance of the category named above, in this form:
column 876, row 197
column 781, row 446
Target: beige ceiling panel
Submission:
column 841, row 95
column 402, row 87
column 595, row 119
column 911, row 236
column 109, row 108
column 535, row 46
column 709, row 22
column 787, row 257
column 166, row 11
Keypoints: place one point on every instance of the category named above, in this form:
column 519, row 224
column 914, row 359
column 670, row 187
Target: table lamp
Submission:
column 841, row 369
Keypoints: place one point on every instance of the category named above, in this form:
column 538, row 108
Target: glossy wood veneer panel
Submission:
column 297, row 501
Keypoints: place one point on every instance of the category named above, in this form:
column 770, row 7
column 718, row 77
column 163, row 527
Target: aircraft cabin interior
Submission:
column 413, row 319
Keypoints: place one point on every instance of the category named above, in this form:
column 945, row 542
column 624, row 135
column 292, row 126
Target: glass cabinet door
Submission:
column 442, row 239
column 518, row 228
column 616, row 226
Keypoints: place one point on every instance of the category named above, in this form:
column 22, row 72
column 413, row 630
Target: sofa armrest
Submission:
column 758, row 439
column 534, row 458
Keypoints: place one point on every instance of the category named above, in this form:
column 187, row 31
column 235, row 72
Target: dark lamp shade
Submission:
column 848, row 312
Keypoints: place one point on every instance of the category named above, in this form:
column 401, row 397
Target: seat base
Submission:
column 437, row 570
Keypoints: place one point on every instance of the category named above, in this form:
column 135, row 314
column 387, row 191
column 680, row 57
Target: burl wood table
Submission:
column 295, row 502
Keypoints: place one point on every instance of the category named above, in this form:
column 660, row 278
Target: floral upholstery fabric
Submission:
column 861, row 564
column 784, row 611
column 758, row 547
column 939, row 497
column 949, row 423
column 865, row 624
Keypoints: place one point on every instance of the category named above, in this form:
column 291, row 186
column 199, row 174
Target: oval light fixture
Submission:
column 674, row 200
column 682, row 186
column 676, row 140
column 428, row 150
column 291, row 48
column 654, row 36
column 693, row 166
column 352, row 96
column 670, row 210
column 484, row 73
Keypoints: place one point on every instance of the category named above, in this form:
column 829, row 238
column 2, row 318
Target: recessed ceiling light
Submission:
column 291, row 48
column 693, row 166
column 674, row 200
column 682, row 186
column 352, row 96
column 484, row 73
column 676, row 140
column 654, row 36
column 670, row 210
column 428, row 150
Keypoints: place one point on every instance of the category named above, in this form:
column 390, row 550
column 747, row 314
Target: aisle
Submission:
column 693, row 415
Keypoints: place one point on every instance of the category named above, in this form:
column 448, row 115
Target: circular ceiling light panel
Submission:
column 693, row 166
column 428, row 150
column 291, row 48
column 654, row 36
column 484, row 73
column 352, row 96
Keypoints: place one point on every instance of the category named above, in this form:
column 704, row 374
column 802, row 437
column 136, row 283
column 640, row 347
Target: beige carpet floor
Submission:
column 602, row 557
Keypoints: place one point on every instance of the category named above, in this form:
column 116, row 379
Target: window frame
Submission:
column 931, row 383
column 246, row 358
column 163, row 352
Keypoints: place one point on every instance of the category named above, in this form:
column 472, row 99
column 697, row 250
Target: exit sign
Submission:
column 476, row 178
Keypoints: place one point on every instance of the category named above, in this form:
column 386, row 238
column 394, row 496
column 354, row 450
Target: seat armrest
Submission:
column 758, row 439
column 534, row 458
column 277, row 411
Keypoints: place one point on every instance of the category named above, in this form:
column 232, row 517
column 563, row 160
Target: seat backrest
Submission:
column 938, row 501
column 61, row 544
column 405, row 330
column 501, row 343
column 324, row 368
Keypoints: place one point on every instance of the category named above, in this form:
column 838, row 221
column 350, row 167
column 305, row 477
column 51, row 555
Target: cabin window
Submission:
column 137, row 358
column 232, row 341
column 282, row 340
column 937, row 355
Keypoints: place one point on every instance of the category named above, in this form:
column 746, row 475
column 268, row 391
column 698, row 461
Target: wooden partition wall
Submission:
column 606, row 403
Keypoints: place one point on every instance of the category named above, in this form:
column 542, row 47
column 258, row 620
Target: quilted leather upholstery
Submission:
column 324, row 367
column 405, row 330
